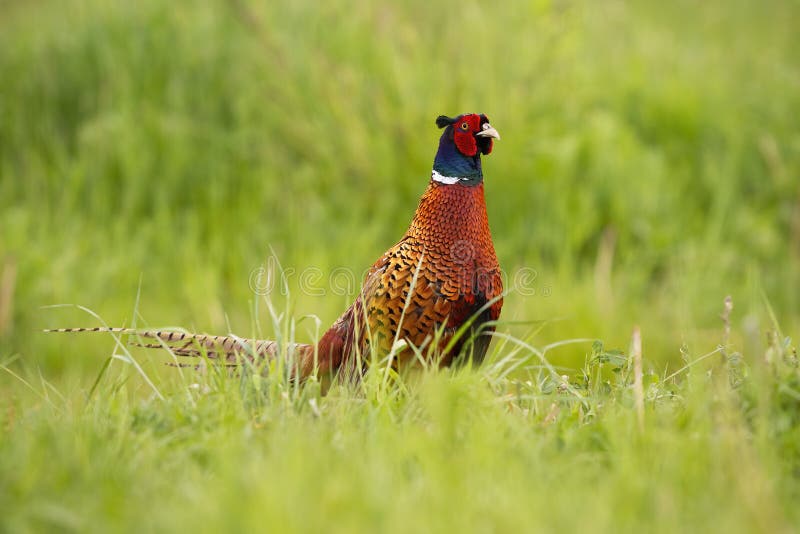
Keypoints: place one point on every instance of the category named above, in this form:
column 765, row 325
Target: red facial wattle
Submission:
column 464, row 131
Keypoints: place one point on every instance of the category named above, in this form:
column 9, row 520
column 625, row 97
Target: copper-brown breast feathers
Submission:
column 408, row 296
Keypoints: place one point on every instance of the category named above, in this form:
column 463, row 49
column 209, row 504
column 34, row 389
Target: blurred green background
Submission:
column 649, row 163
column 154, row 155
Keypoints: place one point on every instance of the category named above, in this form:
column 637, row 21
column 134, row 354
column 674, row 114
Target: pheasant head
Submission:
column 464, row 140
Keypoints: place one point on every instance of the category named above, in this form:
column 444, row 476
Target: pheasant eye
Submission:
column 464, row 126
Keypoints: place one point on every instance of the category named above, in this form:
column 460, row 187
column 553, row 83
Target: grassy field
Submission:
column 156, row 156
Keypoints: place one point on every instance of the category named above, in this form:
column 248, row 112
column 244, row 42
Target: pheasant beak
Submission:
column 488, row 131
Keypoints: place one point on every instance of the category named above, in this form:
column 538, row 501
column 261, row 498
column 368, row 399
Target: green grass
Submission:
column 154, row 156
column 719, row 450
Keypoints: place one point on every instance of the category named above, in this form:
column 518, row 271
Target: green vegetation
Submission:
column 153, row 155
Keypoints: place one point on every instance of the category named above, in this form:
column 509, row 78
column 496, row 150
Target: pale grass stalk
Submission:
column 638, row 388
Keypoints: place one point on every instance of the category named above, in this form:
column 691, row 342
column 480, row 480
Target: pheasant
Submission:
column 436, row 294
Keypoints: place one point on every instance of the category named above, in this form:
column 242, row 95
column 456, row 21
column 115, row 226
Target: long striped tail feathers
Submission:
column 229, row 350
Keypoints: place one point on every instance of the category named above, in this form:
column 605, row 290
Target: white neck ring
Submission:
column 449, row 180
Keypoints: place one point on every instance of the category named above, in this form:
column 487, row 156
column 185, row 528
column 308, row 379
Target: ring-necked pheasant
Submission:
column 435, row 294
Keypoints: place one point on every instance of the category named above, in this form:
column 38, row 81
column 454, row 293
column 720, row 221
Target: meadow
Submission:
column 156, row 157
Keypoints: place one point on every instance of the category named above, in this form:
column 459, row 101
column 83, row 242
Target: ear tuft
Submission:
column 444, row 120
